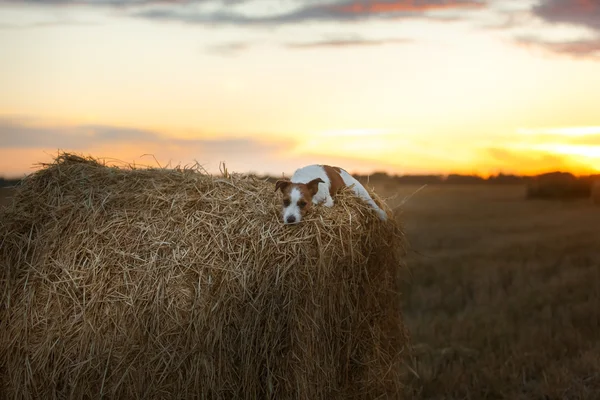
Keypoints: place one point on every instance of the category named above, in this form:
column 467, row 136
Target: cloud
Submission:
column 347, row 11
column 589, row 140
column 580, row 14
column 584, row 48
column 24, row 143
column 46, row 24
column 574, row 136
column 510, row 158
column 15, row 134
column 106, row 3
column 383, row 6
column 22, row 135
column 574, row 12
column 530, row 161
column 228, row 49
column 349, row 42
column 536, row 150
column 563, row 140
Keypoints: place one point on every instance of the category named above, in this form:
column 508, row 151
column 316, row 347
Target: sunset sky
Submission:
column 402, row 86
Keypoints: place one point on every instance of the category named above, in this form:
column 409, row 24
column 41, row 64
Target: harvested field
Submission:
column 173, row 284
column 595, row 192
column 5, row 196
column 503, row 299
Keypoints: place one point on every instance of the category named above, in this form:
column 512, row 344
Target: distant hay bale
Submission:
column 162, row 283
column 557, row 185
column 595, row 192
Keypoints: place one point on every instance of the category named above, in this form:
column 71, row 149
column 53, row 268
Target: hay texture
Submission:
column 171, row 283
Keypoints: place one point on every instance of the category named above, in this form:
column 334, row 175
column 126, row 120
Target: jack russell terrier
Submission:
column 315, row 184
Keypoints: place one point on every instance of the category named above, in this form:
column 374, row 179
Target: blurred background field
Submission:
column 502, row 298
column 5, row 196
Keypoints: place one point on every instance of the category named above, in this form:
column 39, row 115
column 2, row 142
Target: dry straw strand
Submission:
column 154, row 283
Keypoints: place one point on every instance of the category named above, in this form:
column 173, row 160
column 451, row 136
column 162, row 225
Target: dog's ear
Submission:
column 313, row 186
column 282, row 184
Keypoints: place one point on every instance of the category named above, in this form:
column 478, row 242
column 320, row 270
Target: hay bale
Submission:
column 156, row 283
column 595, row 192
column 557, row 185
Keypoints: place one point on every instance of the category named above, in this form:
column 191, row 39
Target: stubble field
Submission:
column 503, row 295
column 5, row 196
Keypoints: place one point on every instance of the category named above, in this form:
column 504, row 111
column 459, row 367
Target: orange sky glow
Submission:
column 401, row 86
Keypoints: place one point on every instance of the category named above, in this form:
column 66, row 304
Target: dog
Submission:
column 316, row 184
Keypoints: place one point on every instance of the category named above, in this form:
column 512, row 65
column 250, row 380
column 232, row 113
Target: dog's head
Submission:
column 297, row 198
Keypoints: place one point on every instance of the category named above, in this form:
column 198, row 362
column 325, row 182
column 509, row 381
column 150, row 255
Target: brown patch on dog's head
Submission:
column 282, row 184
column 313, row 186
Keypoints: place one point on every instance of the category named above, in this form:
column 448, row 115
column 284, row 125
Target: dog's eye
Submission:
column 286, row 202
column 302, row 204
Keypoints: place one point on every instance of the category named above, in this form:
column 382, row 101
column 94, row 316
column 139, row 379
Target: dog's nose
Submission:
column 291, row 219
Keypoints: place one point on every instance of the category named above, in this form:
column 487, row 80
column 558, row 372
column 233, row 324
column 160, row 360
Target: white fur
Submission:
column 310, row 172
column 293, row 210
column 361, row 192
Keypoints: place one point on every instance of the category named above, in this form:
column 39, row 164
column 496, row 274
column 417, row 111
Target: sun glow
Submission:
column 564, row 131
column 366, row 144
column 592, row 152
column 353, row 132
column 433, row 98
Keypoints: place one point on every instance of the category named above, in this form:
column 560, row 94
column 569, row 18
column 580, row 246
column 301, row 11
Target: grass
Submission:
column 503, row 300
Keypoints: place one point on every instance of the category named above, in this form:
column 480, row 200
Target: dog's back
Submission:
column 334, row 179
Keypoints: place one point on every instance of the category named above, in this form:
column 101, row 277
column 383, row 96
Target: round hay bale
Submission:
column 170, row 283
column 595, row 192
column 557, row 185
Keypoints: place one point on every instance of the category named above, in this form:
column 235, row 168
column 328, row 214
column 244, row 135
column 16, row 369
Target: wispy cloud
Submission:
column 346, row 11
column 568, row 147
column 102, row 3
column 562, row 137
column 248, row 14
column 575, row 12
column 19, row 134
column 346, row 42
column 531, row 160
column 501, row 14
column 228, row 49
column 583, row 48
column 582, row 14
column 46, row 24
column 569, row 131
column 16, row 134
column 234, row 48
column 25, row 142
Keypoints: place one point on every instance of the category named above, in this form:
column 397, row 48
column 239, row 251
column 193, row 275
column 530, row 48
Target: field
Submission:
column 503, row 296
column 5, row 196
column 503, row 300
